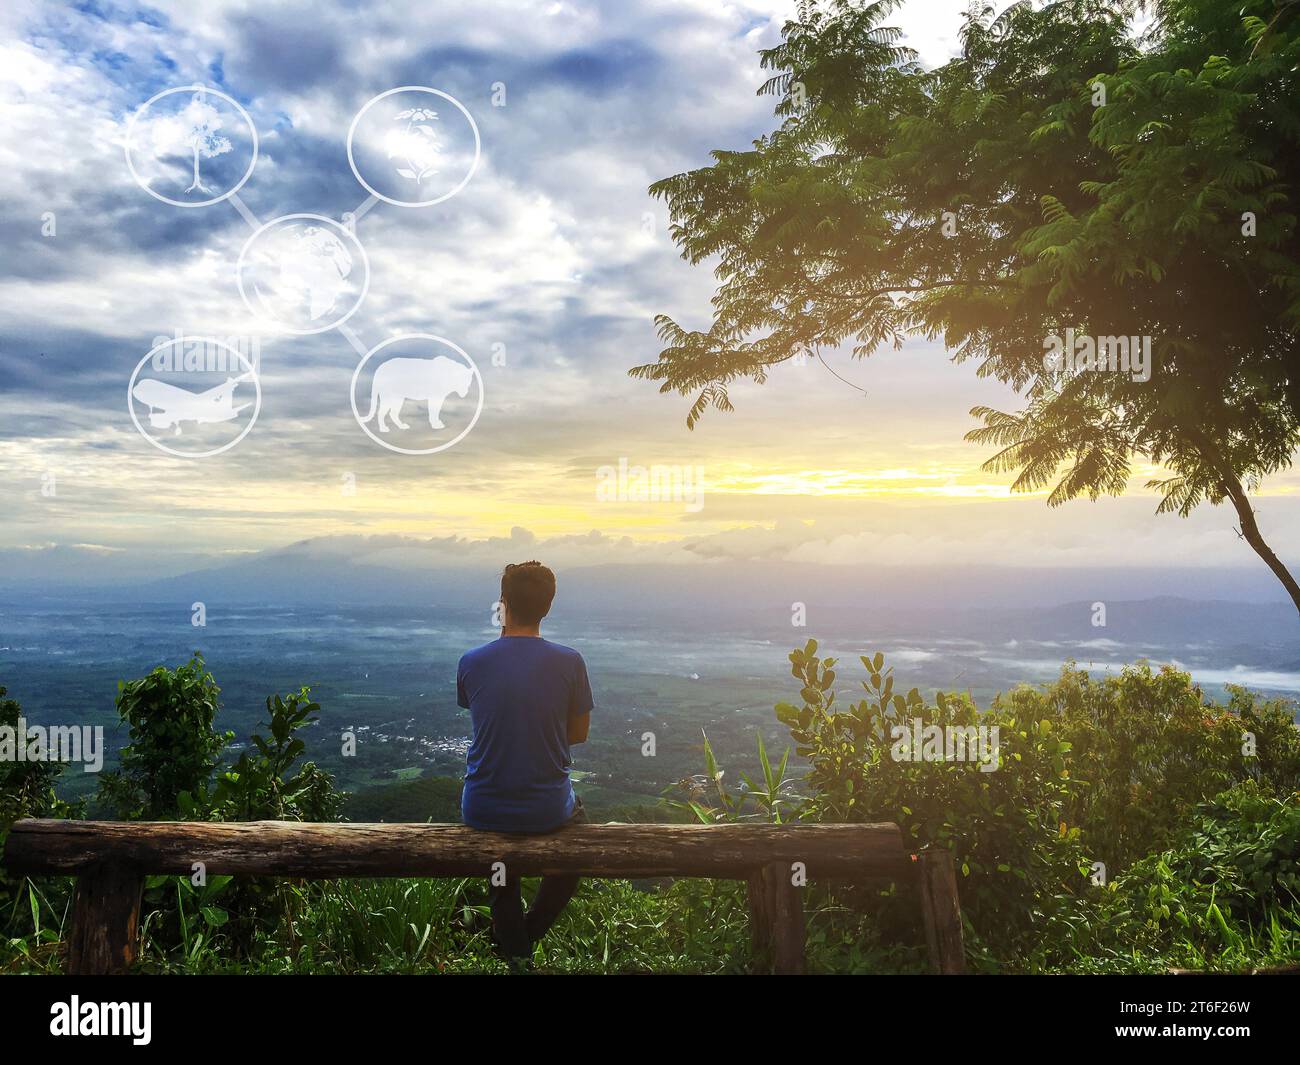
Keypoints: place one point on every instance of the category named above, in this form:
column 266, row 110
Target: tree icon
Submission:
column 194, row 130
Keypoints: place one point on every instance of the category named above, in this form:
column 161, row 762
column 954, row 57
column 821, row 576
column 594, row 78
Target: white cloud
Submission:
column 544, row 252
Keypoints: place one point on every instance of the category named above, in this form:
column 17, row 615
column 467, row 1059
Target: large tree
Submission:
column 1060, row 174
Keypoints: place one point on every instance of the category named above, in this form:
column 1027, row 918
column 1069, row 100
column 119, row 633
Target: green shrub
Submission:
column 28, row 924
column 27, row 788
column 260, row 786
column 1005, row 827
column 173, row 748
column 171, row 770
column 1116, row 770
column 1243, row 848
column 1226, row 895
column 1146, row 747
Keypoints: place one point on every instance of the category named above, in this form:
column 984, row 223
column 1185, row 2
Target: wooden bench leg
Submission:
column 941, row 911
column 105, row 921
column 776, row 918
column 760, row 920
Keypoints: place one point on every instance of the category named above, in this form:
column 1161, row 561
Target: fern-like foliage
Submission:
column 1057, row 174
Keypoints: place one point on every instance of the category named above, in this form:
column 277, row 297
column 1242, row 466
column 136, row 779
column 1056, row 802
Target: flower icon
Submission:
column 415, row 145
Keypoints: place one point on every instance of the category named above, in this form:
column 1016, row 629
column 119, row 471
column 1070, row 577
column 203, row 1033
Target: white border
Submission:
column 478, row 147
column 130, row 132
column 131, row 400
column 261, row 314
column 356, row 375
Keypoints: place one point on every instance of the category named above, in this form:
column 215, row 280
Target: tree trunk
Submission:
column 1236, row 493
column 1250, row 531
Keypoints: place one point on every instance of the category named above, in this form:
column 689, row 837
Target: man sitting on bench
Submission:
column 528, row 700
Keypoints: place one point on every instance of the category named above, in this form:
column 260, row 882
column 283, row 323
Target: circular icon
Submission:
column 424, row 372
column 192, row 139
column 200, row 393
column 417, row 150
column 305, row 272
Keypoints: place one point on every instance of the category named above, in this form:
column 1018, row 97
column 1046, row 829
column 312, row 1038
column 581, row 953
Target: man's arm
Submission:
column 462, row 698
column 579, row 725
column 580, row 703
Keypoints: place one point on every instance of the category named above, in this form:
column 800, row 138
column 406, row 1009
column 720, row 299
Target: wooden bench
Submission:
column 110, row 860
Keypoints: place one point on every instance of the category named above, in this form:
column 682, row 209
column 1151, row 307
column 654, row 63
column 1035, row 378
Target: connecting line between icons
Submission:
column 361, row 210
column 244, row 213
column 351, row 337
column 350, row 219
column 430, row 379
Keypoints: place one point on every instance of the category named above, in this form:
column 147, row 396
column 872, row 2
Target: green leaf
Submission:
column 214, row 916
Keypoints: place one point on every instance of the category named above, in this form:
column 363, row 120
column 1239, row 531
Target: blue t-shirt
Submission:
column 520, row 692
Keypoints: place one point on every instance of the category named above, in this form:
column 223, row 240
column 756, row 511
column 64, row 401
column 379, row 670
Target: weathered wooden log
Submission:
column 776, row 922
column 786, row 906
column 319, row 851
column 111, row 859
column 760, row 918
column 105, row 923
column 941, row 912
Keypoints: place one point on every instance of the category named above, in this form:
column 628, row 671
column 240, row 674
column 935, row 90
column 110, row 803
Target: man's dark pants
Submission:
column 516, row 931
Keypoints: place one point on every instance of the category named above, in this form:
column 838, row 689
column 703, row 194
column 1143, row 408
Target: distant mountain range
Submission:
column 399, row 570
column 1218, row 615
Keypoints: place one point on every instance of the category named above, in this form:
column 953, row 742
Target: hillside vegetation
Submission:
column 1129, row 825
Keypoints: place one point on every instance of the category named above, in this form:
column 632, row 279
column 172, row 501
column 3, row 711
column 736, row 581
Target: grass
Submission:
column 611, row 927
column 423, row 926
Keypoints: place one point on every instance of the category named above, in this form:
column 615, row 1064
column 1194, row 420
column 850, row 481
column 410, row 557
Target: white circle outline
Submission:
column 131, row 400
column 356, row 374
column 243, row 253
column 130, row 132
column 473, row 167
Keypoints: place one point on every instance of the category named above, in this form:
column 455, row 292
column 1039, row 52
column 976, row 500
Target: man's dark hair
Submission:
column 527, row 588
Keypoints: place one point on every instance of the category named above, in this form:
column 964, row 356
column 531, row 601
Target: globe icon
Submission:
column 311, row 269
column 303, row 272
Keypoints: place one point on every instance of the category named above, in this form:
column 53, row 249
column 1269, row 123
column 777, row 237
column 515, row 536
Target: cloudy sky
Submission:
column 552, row 257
